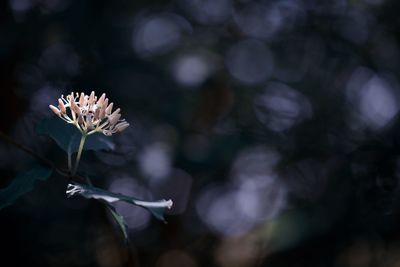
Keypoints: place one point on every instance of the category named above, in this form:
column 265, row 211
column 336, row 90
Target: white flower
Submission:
column 89, row 114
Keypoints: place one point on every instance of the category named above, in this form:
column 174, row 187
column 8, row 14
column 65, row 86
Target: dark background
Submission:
column 272, row 125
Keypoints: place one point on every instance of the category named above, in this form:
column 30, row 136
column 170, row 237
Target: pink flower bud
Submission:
column 55, row 110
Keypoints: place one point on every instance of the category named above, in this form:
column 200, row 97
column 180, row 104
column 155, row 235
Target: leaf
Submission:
column 67, row 136
column 157, row 208
column 120, row 220
column 22, row 183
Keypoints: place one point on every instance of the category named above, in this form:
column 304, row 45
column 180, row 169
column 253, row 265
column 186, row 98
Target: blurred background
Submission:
column 272, row 125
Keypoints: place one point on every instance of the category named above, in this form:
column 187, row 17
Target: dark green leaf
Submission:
column 68, row 136
column 120, row 220
column 157, row 208
column 22, row 183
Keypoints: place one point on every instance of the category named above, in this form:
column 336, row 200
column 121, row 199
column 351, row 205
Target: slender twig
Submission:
column 32, row 153
column 43, row 160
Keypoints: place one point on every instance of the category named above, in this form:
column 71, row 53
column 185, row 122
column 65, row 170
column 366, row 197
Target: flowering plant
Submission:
column 89, row 115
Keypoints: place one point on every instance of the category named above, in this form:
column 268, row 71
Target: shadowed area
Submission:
column 272, row 125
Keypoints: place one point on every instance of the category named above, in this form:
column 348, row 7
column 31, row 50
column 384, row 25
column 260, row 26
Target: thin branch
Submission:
column 43, row 160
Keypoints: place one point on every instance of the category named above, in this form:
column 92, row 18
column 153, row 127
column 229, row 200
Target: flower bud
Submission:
column 75, row 108
column 121, row 126
column 82, row 100
column 55, row 110
column 101, row 100
column 91, row 98
column 114, row 118
column 61, row 106
column 103, row 109
column 109, row 108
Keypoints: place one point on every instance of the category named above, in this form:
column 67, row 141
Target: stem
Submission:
column 78, row 157
column 43, row 160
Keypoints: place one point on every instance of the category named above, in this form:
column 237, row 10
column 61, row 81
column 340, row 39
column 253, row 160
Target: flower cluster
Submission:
column 89, row 114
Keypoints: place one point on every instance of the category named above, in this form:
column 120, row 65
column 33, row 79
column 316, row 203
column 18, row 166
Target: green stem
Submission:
column 78, row 157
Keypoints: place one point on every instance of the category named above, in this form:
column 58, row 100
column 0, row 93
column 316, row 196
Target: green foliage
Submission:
column 120, row 220
column 21, row 184
column 68, row 137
